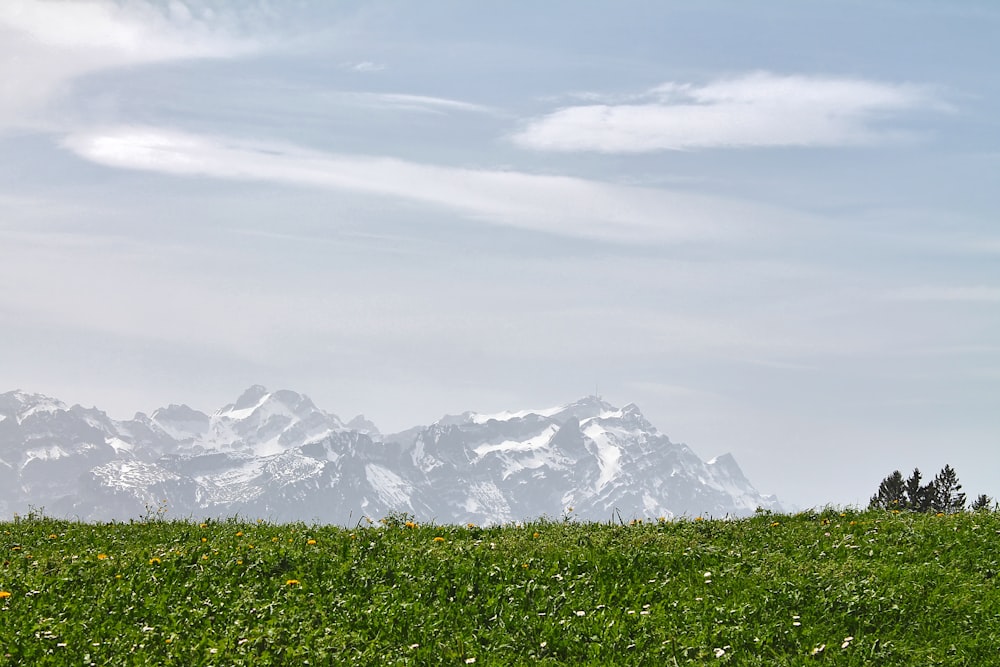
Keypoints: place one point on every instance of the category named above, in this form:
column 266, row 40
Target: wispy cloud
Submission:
column 757, row 109
column 44, row 45
column 364, row 66
column 969, row 293
column 406, row 102
column 552, row 204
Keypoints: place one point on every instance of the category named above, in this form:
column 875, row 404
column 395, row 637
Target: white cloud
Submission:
column 45, row 45
column 553, row 204
column 758, row 109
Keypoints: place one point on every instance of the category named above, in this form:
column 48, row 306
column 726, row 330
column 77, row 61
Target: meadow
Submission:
column 836, row 587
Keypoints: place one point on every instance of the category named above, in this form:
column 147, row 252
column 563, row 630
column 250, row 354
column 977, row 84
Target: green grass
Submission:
column 768, row 590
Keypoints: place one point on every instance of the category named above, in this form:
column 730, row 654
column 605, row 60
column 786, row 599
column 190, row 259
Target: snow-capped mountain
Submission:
column 275, row 455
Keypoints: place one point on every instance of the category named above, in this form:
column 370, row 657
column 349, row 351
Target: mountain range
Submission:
column 275, row 455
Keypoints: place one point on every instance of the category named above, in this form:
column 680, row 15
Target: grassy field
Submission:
column 840, row 588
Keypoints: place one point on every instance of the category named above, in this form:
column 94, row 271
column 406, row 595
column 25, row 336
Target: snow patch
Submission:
column 119, row 444
column 505, row 416
column 608, row 454
column 392, row 489
column 528, row 445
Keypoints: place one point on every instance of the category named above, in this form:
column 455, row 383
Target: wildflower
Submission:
column 818, row 649
column 292, row 582
column 155, row 561
column 310, row 542
column 411, row 524
column 203, row 525
column 847, row 642
column 469, row 661
column 204, row 539
column 102, row 556
column 439, row 539
column 470, row 525
column 581, row 613
column 53, row 536
column 239, row 533
column 274, row 539
column 698, row 518
column 775, row 523
column 536, row 535
column 4, row 595
column 719, row 652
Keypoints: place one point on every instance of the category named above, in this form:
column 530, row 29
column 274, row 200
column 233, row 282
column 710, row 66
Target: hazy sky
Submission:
column 773, row 226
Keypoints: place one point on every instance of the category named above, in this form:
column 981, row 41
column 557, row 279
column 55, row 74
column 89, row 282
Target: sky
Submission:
column 772, row 226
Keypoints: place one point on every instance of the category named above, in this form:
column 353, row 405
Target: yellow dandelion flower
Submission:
column 102, row 556
column 274, row 539
column 410, row 524
column 203, row 525
column 310, row 542
column 204, row 539
column 292, row 582
column 775, row 524
column 239, row 562
column 536, row 535
column 439, row 539
column 698, row 518
column 239, row 533
column 4, row 595
column 53, row 536
column 470, row 525
column 204, row 557
column 155, row 561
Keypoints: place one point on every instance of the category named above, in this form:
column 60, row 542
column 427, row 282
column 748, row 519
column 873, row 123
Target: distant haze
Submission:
column 771, row 226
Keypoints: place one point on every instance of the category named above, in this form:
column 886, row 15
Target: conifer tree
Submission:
column 891, row 493
column 918, row 497
column 981, row 503
column 946, row 493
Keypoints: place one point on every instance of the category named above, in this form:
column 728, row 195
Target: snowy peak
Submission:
column 259, row 423
column 19, row 405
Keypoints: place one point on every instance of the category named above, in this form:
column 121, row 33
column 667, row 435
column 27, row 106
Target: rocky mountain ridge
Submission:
column 275, row 455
